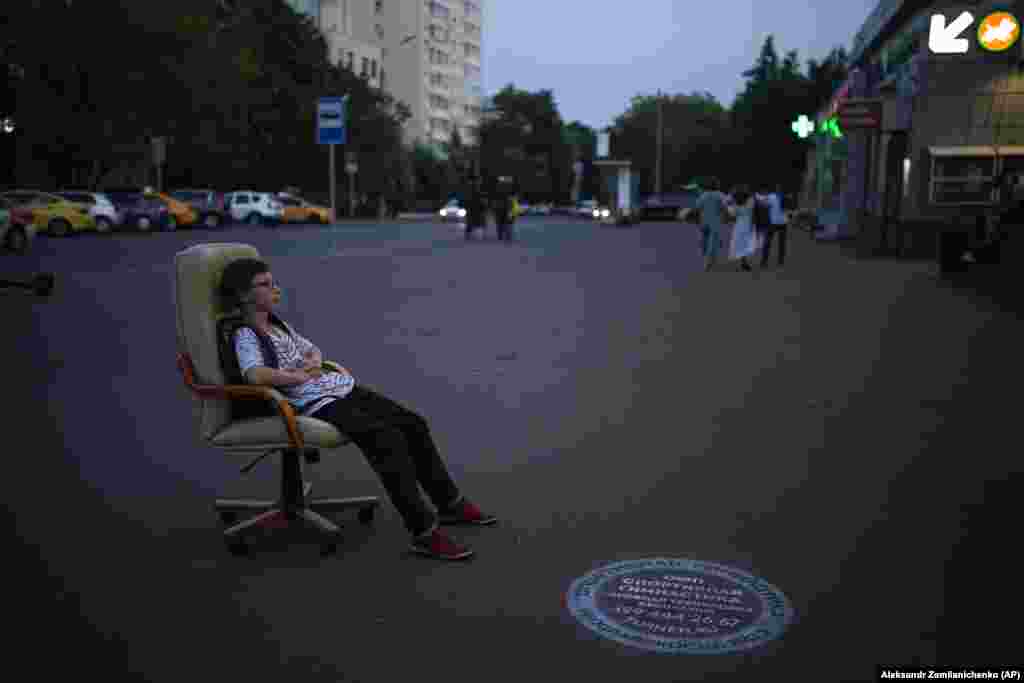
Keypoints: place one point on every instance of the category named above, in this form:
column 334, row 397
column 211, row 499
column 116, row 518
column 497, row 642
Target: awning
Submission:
column 977, row 151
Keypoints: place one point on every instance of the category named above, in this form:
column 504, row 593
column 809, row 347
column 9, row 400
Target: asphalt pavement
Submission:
column 833, row 428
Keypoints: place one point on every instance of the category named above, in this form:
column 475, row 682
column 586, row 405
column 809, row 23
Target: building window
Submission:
column 438, row 80
column 471, row 28
column 373, row 69
column 438, row 56
column 471, row 8
column 471, row 50
column 438, row 102
column 383, row 83
column 439, row 33
column 471, row 71
column 962, row 179
column 379, row 30
column 438, row 10
column 366, row 66
column 378, row 6
column 350, row 62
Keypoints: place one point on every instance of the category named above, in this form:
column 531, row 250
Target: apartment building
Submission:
column 425, row 53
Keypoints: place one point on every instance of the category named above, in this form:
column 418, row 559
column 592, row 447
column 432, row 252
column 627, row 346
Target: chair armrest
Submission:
column 331, row 366
column 228, row 392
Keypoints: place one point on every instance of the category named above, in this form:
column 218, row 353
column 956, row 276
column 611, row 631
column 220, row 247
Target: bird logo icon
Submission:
column 998, row 32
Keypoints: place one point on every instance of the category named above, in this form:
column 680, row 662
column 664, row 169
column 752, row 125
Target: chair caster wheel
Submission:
column 365, row 515
column 228, row 518
column 238, row 548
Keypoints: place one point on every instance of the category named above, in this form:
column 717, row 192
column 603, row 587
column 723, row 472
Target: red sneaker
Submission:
column 438, row 545
column 467, row 513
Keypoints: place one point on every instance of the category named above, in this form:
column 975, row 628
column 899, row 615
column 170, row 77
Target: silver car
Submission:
column 255, row 208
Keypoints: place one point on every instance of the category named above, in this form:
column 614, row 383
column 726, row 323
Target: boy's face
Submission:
column 264, row 294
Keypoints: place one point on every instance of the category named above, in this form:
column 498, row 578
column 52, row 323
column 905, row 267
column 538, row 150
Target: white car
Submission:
column 585, row 208
column 101, row 208
column 452, row 211
column 254, row 208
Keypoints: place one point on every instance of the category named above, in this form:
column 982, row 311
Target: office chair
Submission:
column 295, row 438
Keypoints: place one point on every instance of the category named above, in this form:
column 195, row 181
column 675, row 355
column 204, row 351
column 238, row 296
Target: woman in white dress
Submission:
column 745, row 240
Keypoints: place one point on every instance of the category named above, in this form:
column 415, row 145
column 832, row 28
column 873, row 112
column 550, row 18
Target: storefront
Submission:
column 950, row 120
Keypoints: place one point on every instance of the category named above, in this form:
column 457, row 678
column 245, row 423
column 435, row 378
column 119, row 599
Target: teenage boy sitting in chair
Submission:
column 395, row 440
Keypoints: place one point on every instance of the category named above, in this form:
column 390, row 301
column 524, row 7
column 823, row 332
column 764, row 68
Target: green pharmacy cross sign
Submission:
column 803, row 126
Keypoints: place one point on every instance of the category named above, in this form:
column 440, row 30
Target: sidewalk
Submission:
column 825, row 427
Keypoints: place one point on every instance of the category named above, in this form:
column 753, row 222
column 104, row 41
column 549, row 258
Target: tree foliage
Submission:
column 233, row 85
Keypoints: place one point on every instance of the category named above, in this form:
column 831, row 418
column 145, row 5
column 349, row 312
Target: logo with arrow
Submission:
column 945, row 39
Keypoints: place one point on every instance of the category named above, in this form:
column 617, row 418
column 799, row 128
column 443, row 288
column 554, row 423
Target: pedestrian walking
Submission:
column 777, row 229
column 504, row 192
column 746, row 240
column 475, row 208
column 714, row 213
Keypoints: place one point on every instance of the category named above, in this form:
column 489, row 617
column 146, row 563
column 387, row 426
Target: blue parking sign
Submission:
column 331, row 115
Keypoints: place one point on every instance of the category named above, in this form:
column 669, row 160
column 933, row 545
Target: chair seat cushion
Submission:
column 270, row 432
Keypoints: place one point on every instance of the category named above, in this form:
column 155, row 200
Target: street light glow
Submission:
column 8, row 125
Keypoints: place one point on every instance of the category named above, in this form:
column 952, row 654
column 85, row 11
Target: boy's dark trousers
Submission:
column 398, row 445
column 769, row 237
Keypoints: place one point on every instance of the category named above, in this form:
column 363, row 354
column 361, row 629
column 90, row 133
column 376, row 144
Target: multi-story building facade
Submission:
column 425, row 53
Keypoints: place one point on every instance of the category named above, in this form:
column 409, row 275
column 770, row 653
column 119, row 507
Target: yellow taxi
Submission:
column 51, row 213
column 179, row 212
column 298, row 210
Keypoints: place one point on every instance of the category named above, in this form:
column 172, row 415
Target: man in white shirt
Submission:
column 778, row 229
column 396, row 441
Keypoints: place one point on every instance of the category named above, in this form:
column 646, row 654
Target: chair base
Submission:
column 293, row 505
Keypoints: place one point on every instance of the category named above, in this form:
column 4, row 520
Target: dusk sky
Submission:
column 596, row 56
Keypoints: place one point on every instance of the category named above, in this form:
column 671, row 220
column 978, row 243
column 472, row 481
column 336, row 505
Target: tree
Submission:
column 525, row 140
column 694, row 128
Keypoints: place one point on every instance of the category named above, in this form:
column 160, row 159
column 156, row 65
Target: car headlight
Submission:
column 462, row 212
column 606, row 213
column 443, row 213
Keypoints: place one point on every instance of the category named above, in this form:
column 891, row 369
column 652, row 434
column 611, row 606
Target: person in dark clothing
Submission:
column 395, row 440
column 475, row 208
column 504, row 190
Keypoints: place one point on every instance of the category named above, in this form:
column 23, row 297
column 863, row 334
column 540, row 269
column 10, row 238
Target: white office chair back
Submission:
column 198, row 307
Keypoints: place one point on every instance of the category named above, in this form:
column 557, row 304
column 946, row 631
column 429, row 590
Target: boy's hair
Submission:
column 237, row 279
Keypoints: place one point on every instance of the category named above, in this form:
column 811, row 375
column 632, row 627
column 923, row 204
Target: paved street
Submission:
column 831, row 429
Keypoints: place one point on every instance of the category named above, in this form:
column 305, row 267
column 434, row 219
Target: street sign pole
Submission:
column 334, row 186
column 332, row 119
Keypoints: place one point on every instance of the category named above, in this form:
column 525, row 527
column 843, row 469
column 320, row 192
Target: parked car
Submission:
column 209, row 204
column 667, row 205
column 52, row 213
column 139, row 211
column 99, row 206
column 17, row 230
column 179, row 213
column 255, row 208
column 585, row 208
column 537, row 209
column 298, row 210
column 452, row 211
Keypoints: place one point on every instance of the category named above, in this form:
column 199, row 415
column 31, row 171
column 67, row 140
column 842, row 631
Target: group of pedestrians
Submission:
column 497, row 195
column 757, row 219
